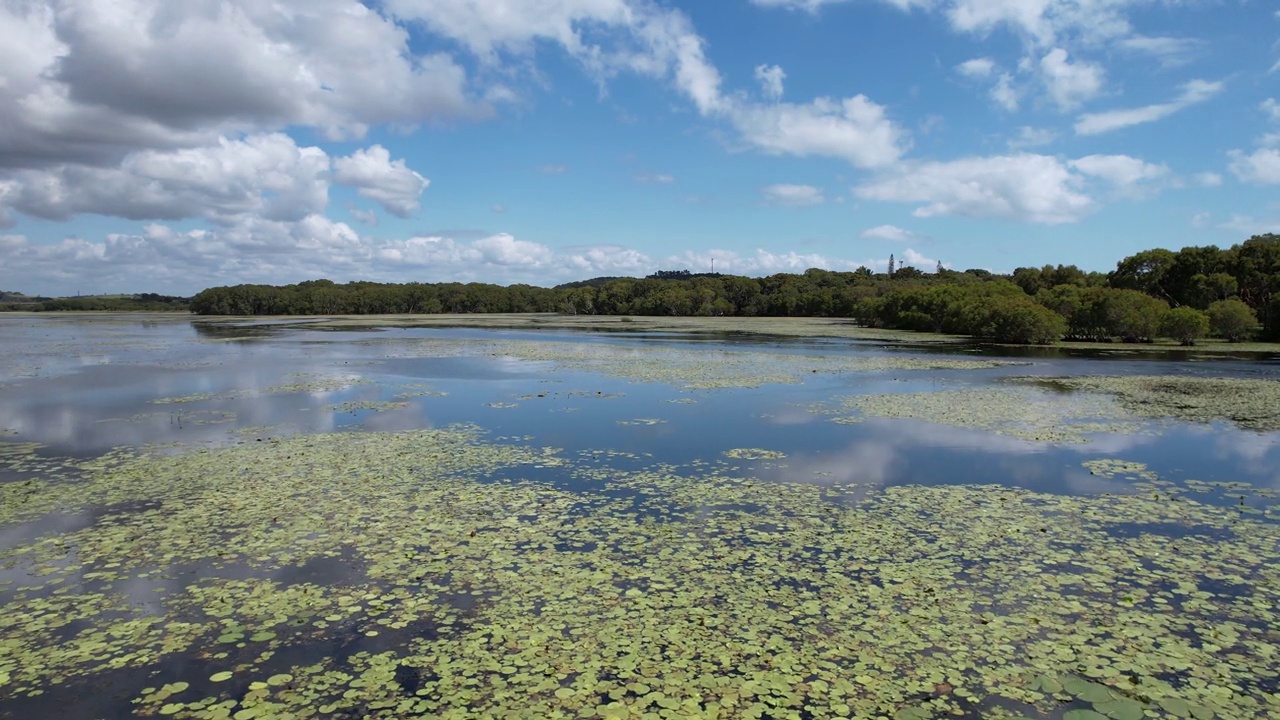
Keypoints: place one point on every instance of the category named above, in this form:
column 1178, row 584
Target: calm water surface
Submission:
column 80, row 387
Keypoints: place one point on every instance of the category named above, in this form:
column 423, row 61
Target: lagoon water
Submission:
column 117, row 433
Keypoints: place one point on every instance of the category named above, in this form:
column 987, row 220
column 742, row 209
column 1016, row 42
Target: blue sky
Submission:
column 167, row 147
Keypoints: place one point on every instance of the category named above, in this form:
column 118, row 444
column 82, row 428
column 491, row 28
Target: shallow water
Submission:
column 685, row 431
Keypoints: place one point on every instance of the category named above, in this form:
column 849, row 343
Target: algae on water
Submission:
column 390, row 575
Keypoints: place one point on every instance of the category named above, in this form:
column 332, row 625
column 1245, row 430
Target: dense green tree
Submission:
column 1184, row 324
column 1133, row 316
column 1232, row 320
column 1144, row 272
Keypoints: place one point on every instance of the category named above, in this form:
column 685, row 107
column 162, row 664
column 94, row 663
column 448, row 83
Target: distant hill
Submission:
column 660, row 275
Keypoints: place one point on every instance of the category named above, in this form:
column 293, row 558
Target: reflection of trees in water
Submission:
column 228, row 331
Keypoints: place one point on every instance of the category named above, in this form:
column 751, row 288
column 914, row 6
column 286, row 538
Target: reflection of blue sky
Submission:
column 579, row 410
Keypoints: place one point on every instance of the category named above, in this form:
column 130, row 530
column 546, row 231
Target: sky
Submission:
column 159, row 146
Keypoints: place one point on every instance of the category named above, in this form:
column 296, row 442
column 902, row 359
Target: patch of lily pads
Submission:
column 355, row 406
column 688, row 368
column 1019, row 412
column 1249, row 403
column 391, row 575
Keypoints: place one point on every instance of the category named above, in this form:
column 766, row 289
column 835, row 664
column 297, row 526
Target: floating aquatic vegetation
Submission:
column 413, row 390
column 502, row 405
column 1019, row 412
column 754, row 454
column 684, row 401
column 642, row 421
column 1250, row 403
column 373, row 405
column 381, row 575
column 318, row 385
column 688, row 368
column 197, row 397
column 1111, row 467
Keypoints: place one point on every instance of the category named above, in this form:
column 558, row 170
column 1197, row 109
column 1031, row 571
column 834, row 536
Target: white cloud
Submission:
column 761, row 262
column 605, row 260
column 1027, row 187
column 656, row 178
column 553, row 169
column 916, row 260
column 1261, row 166
column 391, row 184
column 1028, row 137
column 977, row 68
column 793, row 195
column 1069, row 84
column 1042, row 22
column 1004, row 93
column 891, row 233
column 1209, row 179
column 771, row 79
column 1193, row 92
column 1128, row 175
column 1170, row 51
column 498, row 209
column 1271, row 108
column 1249, row 226
column 266, row 176
column 92, row 82
column 854, row 129
column 162, row 259
column 606, row 36
column 613, row 36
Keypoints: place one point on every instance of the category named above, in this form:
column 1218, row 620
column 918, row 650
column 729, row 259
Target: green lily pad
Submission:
column 1120, row 709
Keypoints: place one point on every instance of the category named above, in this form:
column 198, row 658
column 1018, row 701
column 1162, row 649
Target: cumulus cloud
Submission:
column 1024, row 186
column 793, row 195
column 1193, row 92
column 1002, row 93
column 854, row 129
column 613, row 36
column 375, row 176
column 976, row 68
column 1068, row 83
column 761, row 262
column 91, row 82
column 892, row 233
column 771, row 78
column 163, row 259
column 1209, row 179
column 914, row 259
column 1260, row 166
column 266, row 176
column 1128, row 175
column 656, row 179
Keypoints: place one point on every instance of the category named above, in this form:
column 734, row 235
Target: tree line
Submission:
column 1233, row 293
column 141, row 302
